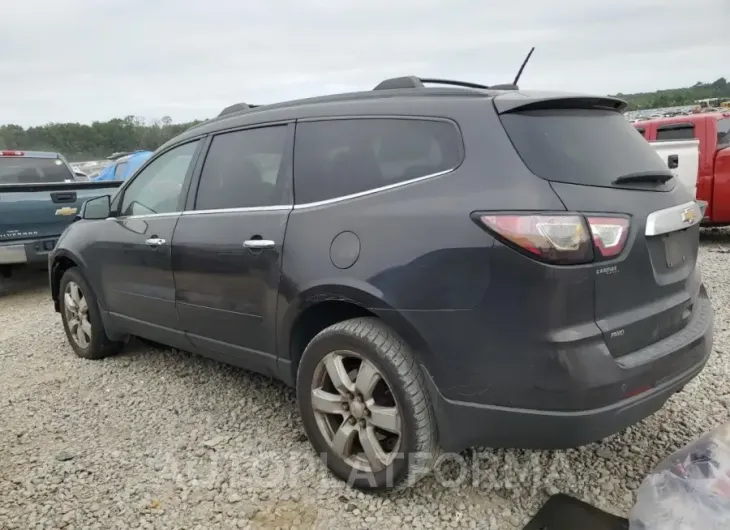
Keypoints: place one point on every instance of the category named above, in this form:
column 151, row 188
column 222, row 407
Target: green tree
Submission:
column 678, row 96
column 79, row 141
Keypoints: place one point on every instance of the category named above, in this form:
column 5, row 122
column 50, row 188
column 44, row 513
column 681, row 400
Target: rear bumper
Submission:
column 465, row 424
column 33, row 251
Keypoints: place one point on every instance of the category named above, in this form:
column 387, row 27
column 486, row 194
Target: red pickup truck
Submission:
column 713, row 179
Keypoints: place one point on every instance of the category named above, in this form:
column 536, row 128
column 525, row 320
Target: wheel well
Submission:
column 59, row 266
column 316, row 318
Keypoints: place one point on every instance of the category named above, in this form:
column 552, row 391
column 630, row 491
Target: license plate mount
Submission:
column 674, row 251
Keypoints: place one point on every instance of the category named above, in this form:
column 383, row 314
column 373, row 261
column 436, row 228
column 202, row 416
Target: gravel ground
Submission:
column 155, row 438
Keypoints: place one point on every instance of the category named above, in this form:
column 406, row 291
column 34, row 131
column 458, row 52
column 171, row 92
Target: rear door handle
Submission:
column 155, row 242
column 259, row 243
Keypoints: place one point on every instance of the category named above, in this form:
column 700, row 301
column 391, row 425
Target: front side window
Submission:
column 336, row 158
column 723, row 132
column 245, row 169
column 157, row 188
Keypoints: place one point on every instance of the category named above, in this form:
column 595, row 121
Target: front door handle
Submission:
column 259, row 243
column 155, row 242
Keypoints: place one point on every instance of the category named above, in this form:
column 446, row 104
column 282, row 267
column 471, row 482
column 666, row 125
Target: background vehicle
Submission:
column 121, row 168
column 428, row 266
column 80, row 175
column 682, row 158
column 712, row 130
column 39, row 198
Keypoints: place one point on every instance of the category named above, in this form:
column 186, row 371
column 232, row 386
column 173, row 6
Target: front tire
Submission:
column 82, row 318
column 365, row 407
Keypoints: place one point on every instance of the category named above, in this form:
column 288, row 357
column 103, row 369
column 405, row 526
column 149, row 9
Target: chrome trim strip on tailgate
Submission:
column 672, row 219
column 10, row 254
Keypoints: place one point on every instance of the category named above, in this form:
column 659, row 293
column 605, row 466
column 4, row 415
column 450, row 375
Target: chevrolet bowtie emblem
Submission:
column 688, row 215
column 66, row 211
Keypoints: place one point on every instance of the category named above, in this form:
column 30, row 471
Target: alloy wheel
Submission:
column 76, row 310
column 356, row 411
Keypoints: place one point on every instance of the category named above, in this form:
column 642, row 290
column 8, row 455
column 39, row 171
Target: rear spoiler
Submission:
column 519, row 101
column 60, row 186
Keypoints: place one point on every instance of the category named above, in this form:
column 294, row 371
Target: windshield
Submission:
column 589, row 147
column 26, row 170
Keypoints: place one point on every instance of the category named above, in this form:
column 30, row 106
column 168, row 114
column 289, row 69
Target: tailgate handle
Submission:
column 63, row 196
column 673, row 161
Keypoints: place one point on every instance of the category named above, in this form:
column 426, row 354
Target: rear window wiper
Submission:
column 644, row 176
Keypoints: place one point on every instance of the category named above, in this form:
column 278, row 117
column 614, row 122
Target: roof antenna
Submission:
column 524, row 63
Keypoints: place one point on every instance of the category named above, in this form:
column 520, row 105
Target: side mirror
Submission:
column 96, row 208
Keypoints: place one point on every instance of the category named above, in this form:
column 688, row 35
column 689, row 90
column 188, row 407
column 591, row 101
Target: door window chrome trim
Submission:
column 673, row 219
column 277, row 208
column 371, row 191
column 144, row 216
column 286, row 207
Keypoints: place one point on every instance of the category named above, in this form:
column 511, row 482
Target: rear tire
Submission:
column 81, row 318
column 372, row 420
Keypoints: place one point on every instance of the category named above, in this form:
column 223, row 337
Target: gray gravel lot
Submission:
column 165, row 439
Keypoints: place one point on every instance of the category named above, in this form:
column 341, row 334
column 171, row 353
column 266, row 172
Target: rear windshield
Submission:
column 589, row 147
column 24, row 170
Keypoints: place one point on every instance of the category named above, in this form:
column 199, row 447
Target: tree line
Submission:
column 677, row 97
column 79, row 141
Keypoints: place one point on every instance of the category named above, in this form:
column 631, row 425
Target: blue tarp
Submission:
column 126, row 166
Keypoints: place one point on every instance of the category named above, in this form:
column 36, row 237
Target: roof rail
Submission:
column 236, row 108
column 505, row 86
column 412, row 81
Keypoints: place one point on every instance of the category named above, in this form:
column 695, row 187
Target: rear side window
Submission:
column 723, row 132
column 245, row 169
column 591, row 147
column 676, row 131
column 22, row 170
column 336, row 158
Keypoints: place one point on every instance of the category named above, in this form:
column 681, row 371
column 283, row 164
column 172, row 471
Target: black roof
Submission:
column 410, row 89
column 241, row 109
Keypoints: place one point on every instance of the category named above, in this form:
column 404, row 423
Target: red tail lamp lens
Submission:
column 560, row 239
column 609, row 234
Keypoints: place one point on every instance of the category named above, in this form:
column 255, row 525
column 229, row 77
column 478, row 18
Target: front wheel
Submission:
column 82, row 318
column 364, row 405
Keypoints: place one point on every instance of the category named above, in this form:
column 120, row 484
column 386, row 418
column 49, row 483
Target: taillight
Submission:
column 563, row 239
column 609, row 234
column 12, row 153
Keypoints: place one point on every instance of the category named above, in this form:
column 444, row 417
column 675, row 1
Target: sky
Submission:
column 87, row 60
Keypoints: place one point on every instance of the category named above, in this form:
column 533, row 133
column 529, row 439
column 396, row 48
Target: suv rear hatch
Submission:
column 597, row 164
column 33, row 195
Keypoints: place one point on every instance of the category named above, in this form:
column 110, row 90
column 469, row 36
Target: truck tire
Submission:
column 81, row 318
column 364, row 405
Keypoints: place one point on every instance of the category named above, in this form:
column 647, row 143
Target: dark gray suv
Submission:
column 432, row 267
